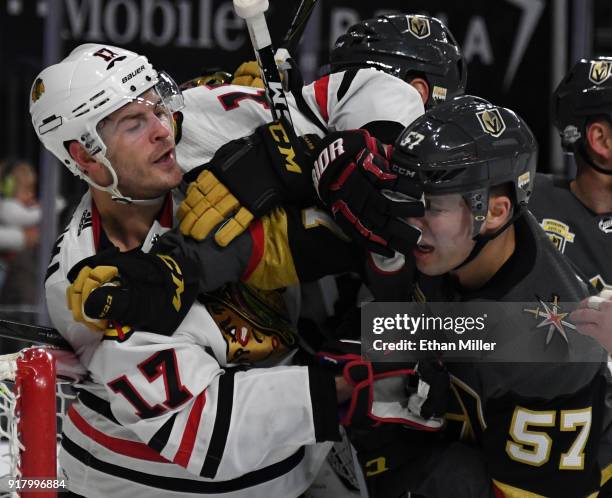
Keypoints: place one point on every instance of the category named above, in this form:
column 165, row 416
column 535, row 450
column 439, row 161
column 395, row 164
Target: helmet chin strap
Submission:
column 482, row 240
column 113, row 189
column 582, row 152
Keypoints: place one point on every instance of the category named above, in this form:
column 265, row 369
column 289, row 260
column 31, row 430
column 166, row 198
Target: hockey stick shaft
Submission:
column 252, row 11
column 32, row 333
column 298, row 25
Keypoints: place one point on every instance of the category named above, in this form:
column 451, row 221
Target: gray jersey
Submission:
column 583, row 236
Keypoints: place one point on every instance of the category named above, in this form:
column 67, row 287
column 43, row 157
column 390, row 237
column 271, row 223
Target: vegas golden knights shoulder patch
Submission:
column 418, row 26
column 491, row 122
column 600, row 71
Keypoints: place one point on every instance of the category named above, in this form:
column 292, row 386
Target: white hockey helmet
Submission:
column 70, row 98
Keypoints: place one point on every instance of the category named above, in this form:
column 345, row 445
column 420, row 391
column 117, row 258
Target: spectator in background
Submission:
column 20, row 216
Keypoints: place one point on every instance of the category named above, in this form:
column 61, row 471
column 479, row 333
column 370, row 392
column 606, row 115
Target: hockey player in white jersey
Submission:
column 370, row 66
column 162, row 416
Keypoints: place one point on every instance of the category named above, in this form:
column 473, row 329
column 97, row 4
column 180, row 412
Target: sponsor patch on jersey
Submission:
column 558, row 232
column 38, row 88
column 605, row 224
column 491, row 122
column 600, row 71
column 419, row 26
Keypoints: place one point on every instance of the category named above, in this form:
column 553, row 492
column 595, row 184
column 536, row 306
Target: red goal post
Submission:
column 28, row 422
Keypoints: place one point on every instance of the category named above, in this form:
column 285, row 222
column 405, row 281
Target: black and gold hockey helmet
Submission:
column 467, row 146
column 586, row 91
column 405, row 46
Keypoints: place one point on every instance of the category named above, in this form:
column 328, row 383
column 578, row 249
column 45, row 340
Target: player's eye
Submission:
column 132, row 124
column 432, row 208
column 160, row 110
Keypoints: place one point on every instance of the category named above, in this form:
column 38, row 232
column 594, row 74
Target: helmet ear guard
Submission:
column 478, row 202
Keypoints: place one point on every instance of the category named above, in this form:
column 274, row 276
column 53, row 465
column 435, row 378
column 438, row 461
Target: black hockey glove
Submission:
column 246, row 179
column 150, row 291
column 370, row 203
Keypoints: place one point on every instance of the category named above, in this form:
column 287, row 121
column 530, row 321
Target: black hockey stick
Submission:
column 298, row 25
column 252, row 11
column 32, row 333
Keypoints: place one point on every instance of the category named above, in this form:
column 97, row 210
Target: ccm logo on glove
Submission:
column 327, row 155
column 280, row 136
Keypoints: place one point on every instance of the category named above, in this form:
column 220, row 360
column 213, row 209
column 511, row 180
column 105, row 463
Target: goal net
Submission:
column 32, row 406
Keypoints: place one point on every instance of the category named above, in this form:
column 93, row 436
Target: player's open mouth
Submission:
column 424, row 248
column 165, row 158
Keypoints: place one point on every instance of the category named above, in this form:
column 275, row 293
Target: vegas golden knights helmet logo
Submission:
column 491, row 122
column 419, row 26
column 600, row 71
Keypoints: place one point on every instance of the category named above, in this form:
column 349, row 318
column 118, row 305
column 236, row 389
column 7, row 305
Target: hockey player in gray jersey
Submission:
column 577, row 213
column 476, row 165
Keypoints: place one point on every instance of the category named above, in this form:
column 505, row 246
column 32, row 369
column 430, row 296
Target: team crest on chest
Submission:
column 558, row 232
column 600, row 71
column 419, row 26
column 552, row 317
column 491, row 122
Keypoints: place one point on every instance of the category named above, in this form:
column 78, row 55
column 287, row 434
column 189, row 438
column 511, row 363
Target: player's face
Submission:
column 446, row 239
column 140, row 145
